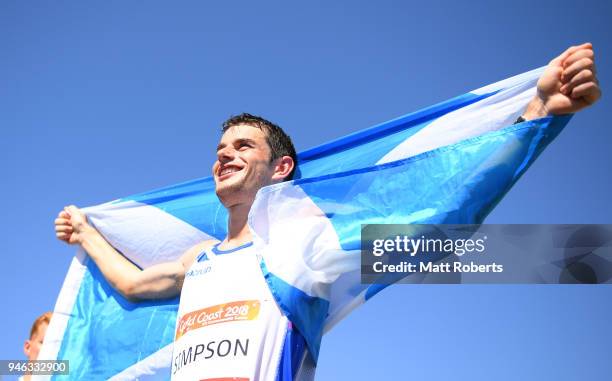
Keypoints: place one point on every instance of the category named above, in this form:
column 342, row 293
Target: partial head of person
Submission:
column 253, row 153
column 37, row 335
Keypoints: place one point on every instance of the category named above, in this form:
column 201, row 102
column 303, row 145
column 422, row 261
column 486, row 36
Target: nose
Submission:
column 225, row 154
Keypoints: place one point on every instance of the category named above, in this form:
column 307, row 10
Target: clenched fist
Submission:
column 70, row 224
column 568, row 84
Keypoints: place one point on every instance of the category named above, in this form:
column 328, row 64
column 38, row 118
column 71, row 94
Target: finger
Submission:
column 61, row 221
column 559, row 60
column 62, row 236
column 71, row 209
column 582, row 77
column 64, row 214
column 74, row 211
column 64, row 229
column 578, row 66
column 577, row 55
column 589, row 91
column 586, row 45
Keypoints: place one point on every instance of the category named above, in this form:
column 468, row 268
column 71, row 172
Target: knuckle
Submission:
column 584, row 89
column 583, row 76
column 590, row 53
column 572, row 70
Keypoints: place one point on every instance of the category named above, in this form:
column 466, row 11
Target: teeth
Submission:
column 229, row 170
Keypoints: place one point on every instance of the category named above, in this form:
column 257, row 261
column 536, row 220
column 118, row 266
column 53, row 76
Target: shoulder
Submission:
column 204, row 245
column 190, row 255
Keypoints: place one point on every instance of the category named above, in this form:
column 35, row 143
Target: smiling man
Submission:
column 229, row 323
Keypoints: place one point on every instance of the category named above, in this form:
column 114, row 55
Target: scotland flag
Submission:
column 448, row 163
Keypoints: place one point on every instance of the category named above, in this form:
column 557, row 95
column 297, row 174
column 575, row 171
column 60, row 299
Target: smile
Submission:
column 228, row 171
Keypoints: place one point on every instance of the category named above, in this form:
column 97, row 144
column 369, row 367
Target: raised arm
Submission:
column 160, row 281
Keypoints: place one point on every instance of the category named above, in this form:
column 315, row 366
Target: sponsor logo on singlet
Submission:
column 197, row 353
column 198, row 272
column 221, row 313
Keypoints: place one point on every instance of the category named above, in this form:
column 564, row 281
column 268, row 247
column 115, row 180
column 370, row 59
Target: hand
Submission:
column 70, row 225
column 568, row 84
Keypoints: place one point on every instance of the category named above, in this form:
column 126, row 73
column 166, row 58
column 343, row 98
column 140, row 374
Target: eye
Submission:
column 243, row 146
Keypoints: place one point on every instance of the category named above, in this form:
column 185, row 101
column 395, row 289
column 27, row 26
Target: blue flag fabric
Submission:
column 449, row 163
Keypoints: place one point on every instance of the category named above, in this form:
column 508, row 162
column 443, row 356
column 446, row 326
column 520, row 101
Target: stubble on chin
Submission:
column 226, row 192
column 231, row 194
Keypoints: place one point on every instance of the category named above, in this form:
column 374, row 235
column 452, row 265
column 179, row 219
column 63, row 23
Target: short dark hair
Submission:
column 279, row 142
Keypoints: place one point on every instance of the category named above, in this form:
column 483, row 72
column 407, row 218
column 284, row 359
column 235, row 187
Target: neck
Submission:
column 238, row 231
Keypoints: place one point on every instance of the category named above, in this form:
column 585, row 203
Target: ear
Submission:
column 26, row 348
column 282, row 168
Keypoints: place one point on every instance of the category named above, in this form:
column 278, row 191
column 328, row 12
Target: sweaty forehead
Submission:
column 243, row 132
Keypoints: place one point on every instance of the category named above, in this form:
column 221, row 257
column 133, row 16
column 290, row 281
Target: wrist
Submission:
column 85, row 233
column 535, row 109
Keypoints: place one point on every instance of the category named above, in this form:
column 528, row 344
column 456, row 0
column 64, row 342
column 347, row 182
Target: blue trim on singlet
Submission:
column 202, row 257
column 293, row 352
column 218, row 251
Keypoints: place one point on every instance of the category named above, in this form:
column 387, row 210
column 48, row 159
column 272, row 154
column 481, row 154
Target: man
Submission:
column 227, row 313
column 31, row 347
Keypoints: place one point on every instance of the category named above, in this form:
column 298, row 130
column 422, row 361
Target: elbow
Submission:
column 128, row 291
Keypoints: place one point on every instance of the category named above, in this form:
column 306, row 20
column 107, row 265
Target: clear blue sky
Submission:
column 100, row 100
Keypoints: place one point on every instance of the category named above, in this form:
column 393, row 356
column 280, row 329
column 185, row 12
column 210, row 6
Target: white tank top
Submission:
column 229, row 325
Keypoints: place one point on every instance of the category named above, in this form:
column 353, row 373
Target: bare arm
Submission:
column 160, row 281
column 165, row 280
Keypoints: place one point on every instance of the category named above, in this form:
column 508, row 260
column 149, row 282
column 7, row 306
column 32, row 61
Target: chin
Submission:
column 230, row 194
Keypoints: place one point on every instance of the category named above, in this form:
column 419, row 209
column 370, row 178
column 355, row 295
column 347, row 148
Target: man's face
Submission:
column 32, row 346
column 243, row 165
